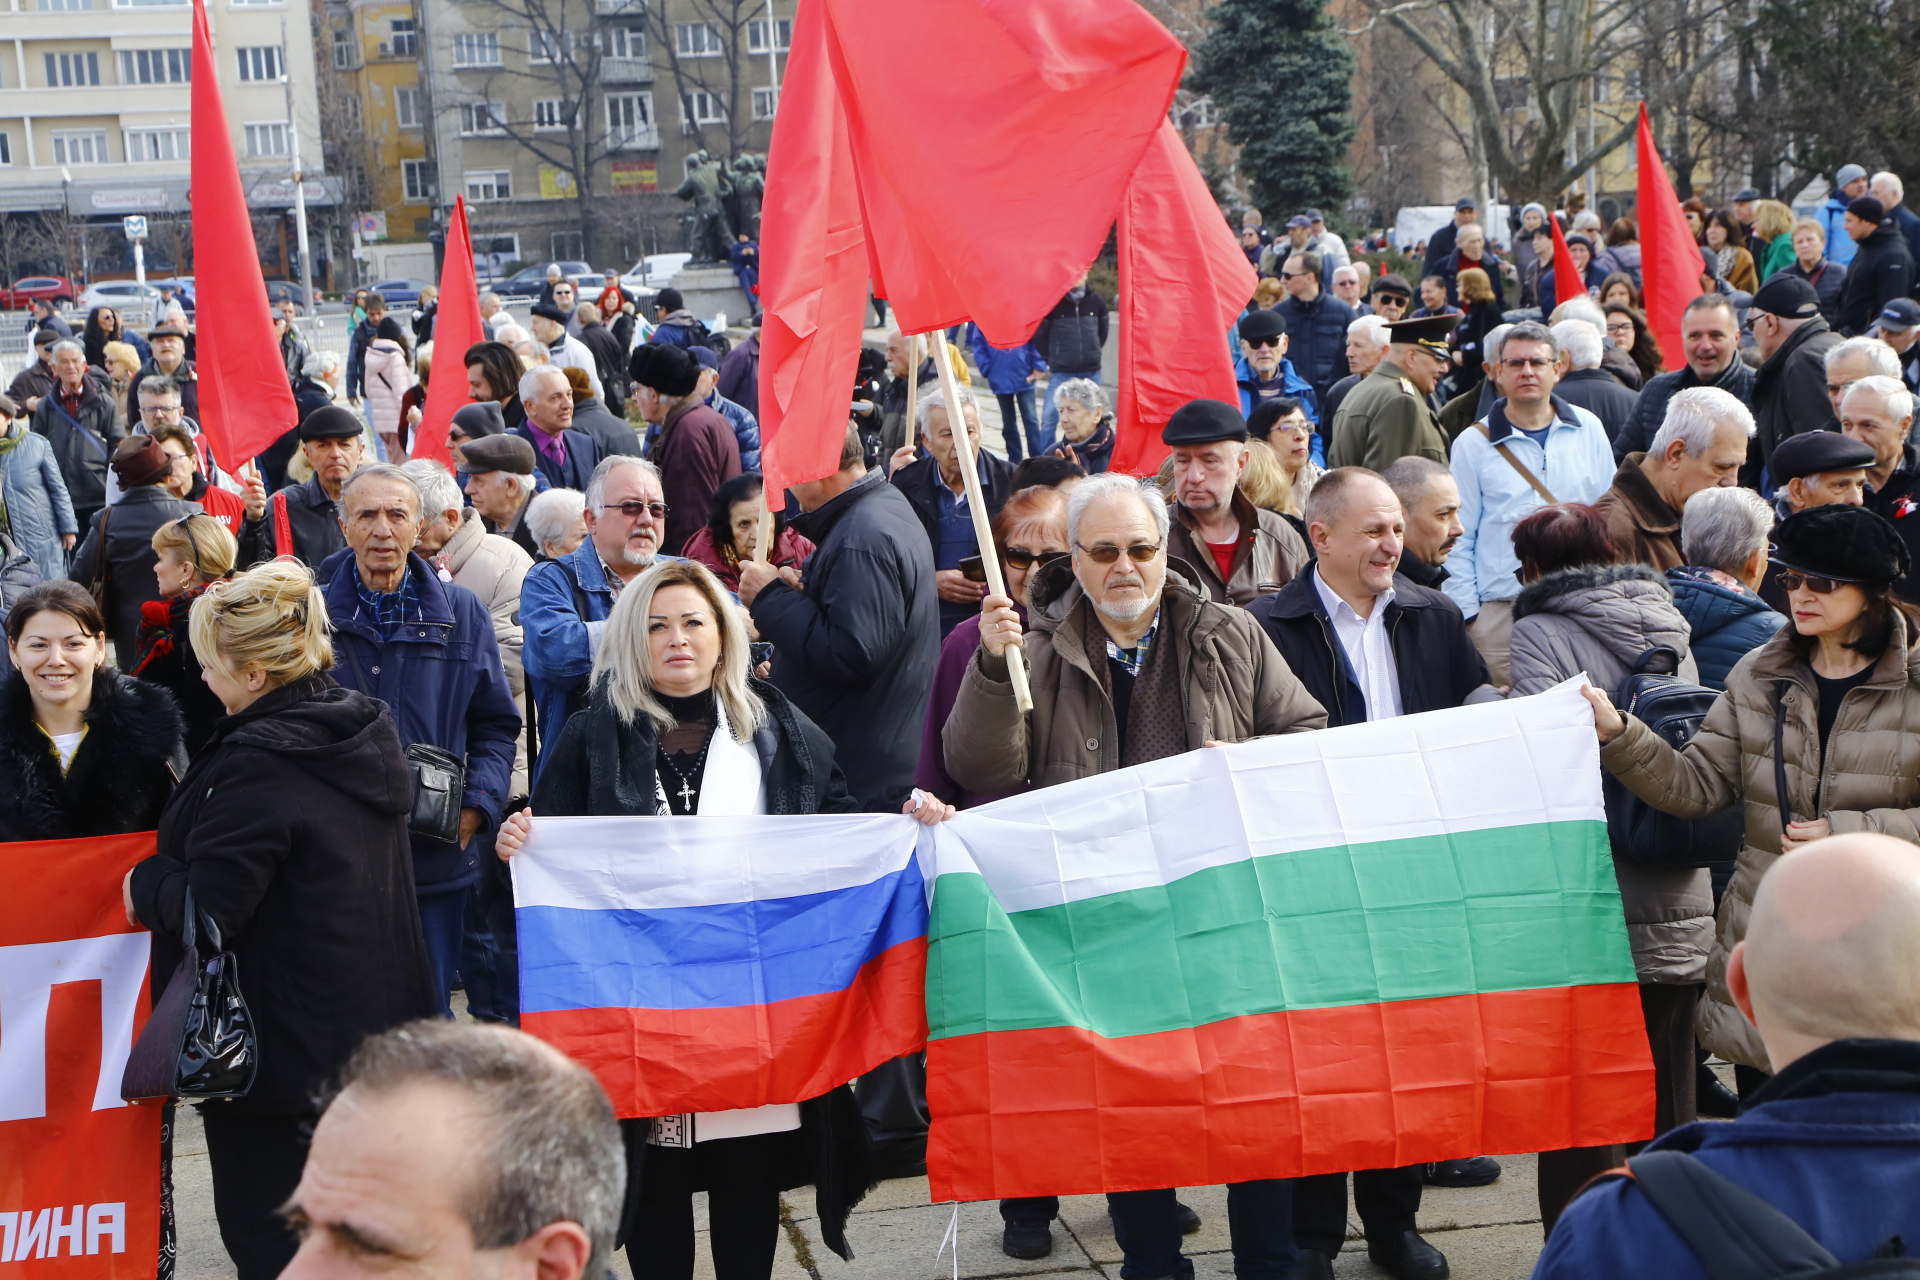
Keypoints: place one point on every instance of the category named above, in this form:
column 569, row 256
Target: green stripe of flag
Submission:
column 1504, row 909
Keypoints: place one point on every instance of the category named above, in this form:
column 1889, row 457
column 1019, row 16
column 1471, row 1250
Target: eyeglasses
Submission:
column 1139, row 552
column 1536, row 362
column 1261, row 343
column 1793, row 580
column 1294, row 426
column 1623, row 326
column 1295, row 275
column 1021, row 558
column 634, row 510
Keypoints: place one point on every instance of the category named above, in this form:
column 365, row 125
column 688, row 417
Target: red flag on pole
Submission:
column 246, row 402
column 1670, row 263
column 1568, row 282
column 1183, row 280
column 456, row 326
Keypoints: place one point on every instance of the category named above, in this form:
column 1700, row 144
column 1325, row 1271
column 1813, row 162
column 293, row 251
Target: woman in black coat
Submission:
column 290, row 829
column 672, row 713
column 191, row 553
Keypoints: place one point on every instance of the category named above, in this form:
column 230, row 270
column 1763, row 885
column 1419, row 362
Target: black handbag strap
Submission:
column 197, row 919
column 1735, row 1234
column 1780, row 754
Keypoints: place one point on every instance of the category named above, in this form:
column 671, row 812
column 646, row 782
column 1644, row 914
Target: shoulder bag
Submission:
column 200, row 1042
column 439, row 776
column 1546, row 495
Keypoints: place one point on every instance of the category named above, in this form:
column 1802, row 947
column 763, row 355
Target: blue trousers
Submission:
column 489, row 949
column 443, row 921
column 1029, row 418
column 1050, row 420
column 1259, row 1219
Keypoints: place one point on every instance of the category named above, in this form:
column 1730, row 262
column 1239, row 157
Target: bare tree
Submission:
column 708, row 51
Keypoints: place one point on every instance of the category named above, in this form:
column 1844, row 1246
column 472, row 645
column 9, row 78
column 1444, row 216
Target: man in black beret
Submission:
column 303, row 520
column 1814, row 469
column 1238, row 551
column 1882, row 268
column 1263, row 370
column 696, row 451
column 500, row 483
column 1388, row 416
column 1790, row 389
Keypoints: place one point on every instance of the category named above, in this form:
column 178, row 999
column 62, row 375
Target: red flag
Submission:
column 1183, row 281
column 1568, row 282
column 246, row 402
column 456, row 326
column 1670, row 263
column 813, row 287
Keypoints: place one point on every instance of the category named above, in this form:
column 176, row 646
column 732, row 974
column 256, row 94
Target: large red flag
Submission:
column 246, row 402
column 456, row 326
column 1670, row 263
column 813, row 287
column 1183, row 280
column 1568, row 282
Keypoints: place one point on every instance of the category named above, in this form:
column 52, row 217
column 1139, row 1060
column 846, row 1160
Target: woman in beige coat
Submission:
column 1829, row 706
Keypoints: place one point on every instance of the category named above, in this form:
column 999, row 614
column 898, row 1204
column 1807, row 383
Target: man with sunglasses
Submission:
column 1263, row 370
column 1239, row 551
column 1391, row 297
column 1316, row 323
column 1129, row 663
column 1388, row 416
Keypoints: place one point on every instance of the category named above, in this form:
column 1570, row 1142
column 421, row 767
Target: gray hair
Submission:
column 1694, row 417
column 1722, row 528
column 530, row 380
column 1899, row 399
column 1580, row 308
column 550, row 514
column 1113, row 484
column 1586, row 220
column 1411, row 476
column 597, row 482
column 1084, row 392
column 1883, row 359
column 65, row 344
column 1580, row 342
column 386, row 471
column 158, row 387
column 1329, row 495
column 1530, row 331
column 1372, row 328
column 320, row 364
column 438, row 492
column 1490, row 345
column 546, row 1147
column 621, row 665
column 512, row 333
column 1474, row 227
column 936, row 399
column 490, row 294
column 1891, row 181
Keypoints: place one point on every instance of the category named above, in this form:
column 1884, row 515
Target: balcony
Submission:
column 626, row 71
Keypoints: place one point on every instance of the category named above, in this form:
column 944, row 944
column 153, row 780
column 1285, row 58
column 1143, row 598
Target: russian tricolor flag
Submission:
column 717, row 963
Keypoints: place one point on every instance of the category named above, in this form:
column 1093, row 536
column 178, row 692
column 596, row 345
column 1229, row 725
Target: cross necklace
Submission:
column 685, row 790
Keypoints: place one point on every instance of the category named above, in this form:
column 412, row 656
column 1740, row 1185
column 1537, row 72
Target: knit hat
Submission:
column 1848, row 173
column 669, row 370
column 481, row 418
column 669, row 300
column 1867, row 209
column 139, row 460
column 1841, row 541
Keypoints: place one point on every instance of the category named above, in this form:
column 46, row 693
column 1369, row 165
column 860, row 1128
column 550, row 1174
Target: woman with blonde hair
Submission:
column 121, row 361
column 1773, row 229
column 1469, row 337
column 193, row 552
column 676, row 724
column 289, row 833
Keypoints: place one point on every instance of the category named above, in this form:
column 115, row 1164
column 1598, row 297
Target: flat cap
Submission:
column 1868, row 209
column 1204, row 422
column 44, row 337
column 1262, row 323
column 1898, row 316
column 669, row 370
column 1841, row 541
column 166, row 331
column 1848, row 173
column 1787, row 296
column 481, row 418
column 497, row 453
column 331, row 422
column 1813, row 452
column 1430, row 332
column 548, row 311
column 1392, row 283
column 1745, row 194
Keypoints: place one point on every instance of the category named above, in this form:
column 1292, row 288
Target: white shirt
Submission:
column 66, row 745
column 1368, row 648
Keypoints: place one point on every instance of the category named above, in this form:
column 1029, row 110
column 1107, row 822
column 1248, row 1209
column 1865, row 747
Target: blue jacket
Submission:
column 583, row 455
column 1833, row 1142
column 442, row 679
column 1006, row 370
column 357, row 344
column 1296, row 386
column 1726, row 623
column 1832, row 217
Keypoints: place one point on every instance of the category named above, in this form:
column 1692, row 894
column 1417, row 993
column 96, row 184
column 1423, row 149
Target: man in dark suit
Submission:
column 566, row 457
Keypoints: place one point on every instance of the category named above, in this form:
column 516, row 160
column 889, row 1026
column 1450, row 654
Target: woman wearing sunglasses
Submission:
column 1827, row 707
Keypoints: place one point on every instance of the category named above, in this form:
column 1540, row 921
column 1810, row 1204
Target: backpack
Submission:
column 1654, row 693
column 1737, row 1235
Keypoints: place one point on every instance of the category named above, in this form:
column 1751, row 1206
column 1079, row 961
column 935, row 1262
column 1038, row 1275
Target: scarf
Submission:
column 159, row 619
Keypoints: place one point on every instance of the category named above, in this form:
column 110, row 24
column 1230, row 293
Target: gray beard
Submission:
column 1123, row 612
column 637, row 559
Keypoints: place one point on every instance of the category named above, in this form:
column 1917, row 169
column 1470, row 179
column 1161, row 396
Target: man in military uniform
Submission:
column 1387, row 417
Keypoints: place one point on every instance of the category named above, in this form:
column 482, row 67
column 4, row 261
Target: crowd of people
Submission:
column 272, row 667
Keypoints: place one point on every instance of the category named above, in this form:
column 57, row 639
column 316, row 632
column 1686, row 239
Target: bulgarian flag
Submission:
column 1367, row 947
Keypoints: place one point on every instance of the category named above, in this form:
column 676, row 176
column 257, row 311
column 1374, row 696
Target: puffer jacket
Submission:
column 1237, row 687
column 1600, row 619
column 1727, row 621
column 38, row 508
column 1869, row 781
column 387, row 380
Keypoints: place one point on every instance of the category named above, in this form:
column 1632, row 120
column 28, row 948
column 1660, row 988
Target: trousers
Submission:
column 1146, row 1226
column 443, row 923
column 743, row 1209
column 255, row 1162
column 489, row 946
column 1387, row 1200
column 1017, row 411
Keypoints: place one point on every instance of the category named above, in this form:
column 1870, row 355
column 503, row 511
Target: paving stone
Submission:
column 900, row 1244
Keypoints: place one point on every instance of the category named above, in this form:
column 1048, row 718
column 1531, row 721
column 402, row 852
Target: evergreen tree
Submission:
column 1281, row 75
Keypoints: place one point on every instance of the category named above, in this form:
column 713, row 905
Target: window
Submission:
column 46, row 5
column 630, row 121
column 67, row 70
column 156, row 66
column 261, row 62
column 545, row 46
column 416, row 181
column 697, row 39
column 476, row 49
column 700, row 108
column 149, row 4
column 238, row 3
column 626, row 43
column 351, row 103
column 145, row 146
column 757, row 35
column 406, row 39
column 552, row 115
column 78, row 147
column 6, row 150
column 343, row 50
column 489, row 185
column 764, row 101
column 482, row 118
column 267, row 139
column 406, row 106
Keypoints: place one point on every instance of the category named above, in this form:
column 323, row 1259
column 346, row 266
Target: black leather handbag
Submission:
column 439, row 784
column 200, row 1042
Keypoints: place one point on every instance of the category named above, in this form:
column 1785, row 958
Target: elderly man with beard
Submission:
column 1239, row 551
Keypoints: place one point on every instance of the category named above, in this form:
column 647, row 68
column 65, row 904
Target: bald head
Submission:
column 1832, row 951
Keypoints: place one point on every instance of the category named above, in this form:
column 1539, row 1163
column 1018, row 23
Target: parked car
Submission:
column 278, row 289
column 655, row 271
column 119, row 294
column 182, row 287
column 31, row 289
column 527, row 282
column 400, row 292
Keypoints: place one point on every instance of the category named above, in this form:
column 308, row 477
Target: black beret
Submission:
column 481, row 418
column 331, row 422
column 1812, row 452
column 1841, row 541
column 669, row 370
column 1204, row 422
column 497, row 453
column 1262, row 323
column 547, row 311
column 1787, row 296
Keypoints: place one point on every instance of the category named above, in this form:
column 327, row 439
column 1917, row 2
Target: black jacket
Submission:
column 1073, row 334
column 125, row 557
column 611, row 433
column 920, row 481
column 1882, row 270
column 1602, row 395
column 121, row 775
column 1790, row 392
column 82, row 451
column 1736, row 378
column 609, row 361
column 313, row 517
column 1899, row 502
column 1440, row 246
column 175, row 667
column 856, row 651
column 583, row 455
column 1438, row 663
column 291, row 829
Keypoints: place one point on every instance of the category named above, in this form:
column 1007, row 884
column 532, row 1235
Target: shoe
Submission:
column 1311, row 1264
column 1027, row 1240
column 1408, row 1257
column 1189, row 1220
column 1713, row 1098
column 1474, row 1171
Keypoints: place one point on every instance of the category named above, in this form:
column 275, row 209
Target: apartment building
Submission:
column 376, row 111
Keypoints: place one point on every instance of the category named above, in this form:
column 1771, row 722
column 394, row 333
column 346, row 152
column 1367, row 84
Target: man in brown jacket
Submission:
column 1240, row 551
column 1701, row 445
column 697, row 451
column 1128, row 663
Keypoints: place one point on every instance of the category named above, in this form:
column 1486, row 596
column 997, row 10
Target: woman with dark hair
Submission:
column 1622, row 253
column 1580, row 612
column 387, row 379
column 1619, row 287
column 732, row 532
column 1695, row 210
column 1627, row 326
column 493, row 373
column 104, row 325
column 1729, row 245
